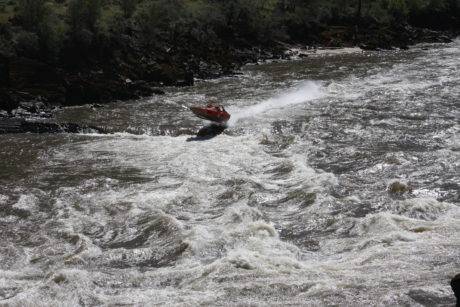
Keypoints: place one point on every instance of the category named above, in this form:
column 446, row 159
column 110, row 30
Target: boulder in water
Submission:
column 397, row 187
column 455, row 284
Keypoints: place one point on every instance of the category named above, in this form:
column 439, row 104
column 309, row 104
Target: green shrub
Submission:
column 128, row 7
column 398, row 9
column 203, row 21
column 52, row 33
column 160, row 18
column 251, row 19
column 203, row 12
column 84, row 14
column 32, row 13
column 47, row 30
column 111, row 22
column 6, row 47
column 26, row 44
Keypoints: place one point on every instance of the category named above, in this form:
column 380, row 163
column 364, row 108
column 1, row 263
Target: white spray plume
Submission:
column 302, row 93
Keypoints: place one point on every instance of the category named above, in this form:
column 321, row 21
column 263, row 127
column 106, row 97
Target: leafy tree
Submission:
column 128, row 7
column 55, row 28
column 111, row 22
column 159, row 18
column 32, row 13
column 83, row 14
column 43, row 27
column 251, row 19
column 203, row 22
column 26, row 44
column 398, row 9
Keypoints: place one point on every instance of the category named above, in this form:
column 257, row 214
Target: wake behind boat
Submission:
column 212, row 112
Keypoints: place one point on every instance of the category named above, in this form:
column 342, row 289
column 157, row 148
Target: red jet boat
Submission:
column 212, row 112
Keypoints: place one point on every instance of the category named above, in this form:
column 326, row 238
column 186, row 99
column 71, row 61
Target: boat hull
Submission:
column 211, row 114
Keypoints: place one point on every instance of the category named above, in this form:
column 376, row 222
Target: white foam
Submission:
column 302, row 93
column 27, row 202
column 3, row 199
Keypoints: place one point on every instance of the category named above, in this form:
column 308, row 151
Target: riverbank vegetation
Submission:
column 76, row 51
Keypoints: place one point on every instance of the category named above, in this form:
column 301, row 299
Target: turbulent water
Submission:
column 290, row 205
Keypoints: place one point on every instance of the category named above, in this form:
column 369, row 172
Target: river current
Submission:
column 290, row 205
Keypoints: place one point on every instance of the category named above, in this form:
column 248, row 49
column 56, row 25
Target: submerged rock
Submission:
column 208, row 132
column 398, row 187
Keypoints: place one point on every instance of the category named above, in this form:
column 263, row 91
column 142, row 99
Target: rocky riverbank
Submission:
column 31, row 86
column 21, row 125
column 30, row 80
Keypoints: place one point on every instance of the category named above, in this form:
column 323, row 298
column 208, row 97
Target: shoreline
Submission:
column 63, row 89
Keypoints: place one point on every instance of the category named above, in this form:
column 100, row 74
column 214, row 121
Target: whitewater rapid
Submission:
column 290, row 205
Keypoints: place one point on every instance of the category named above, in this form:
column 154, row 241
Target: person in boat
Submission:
column 216, row 106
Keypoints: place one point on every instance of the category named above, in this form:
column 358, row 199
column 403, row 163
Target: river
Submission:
column 290, row 205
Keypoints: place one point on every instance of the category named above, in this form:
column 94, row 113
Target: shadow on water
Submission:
column 208, row 132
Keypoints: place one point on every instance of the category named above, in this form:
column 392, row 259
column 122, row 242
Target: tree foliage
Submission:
column 41, row 25
column 83, row 14
column 50, row 24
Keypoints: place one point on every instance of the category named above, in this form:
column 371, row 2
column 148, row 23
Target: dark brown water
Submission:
column 290, row 205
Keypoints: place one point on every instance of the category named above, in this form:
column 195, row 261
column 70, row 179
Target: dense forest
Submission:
column 75, row 51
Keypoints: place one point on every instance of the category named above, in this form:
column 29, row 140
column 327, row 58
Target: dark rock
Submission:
column 211, row 130
column 376, row 36
column 209, row 70
column 8, row 102
column 37, row 79
column 208, row 132
column 185, row 79
column 158, row 91
column 367, row 47
column 19, row 125
column 169, row 73
column 33, row 106
column 77, row 91
column 25, row 72
column 4, row 71
column 397, row 187
column 59, row 278
column 102, row 88
column 12, row 125
column 139, row 88
column 95, row 88
column 455, row 284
